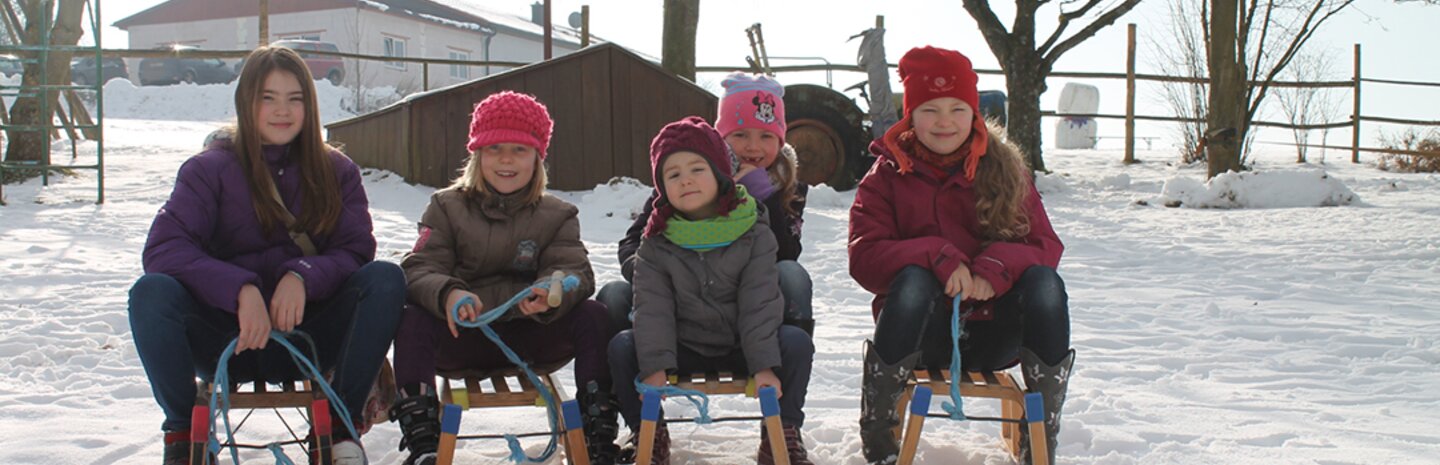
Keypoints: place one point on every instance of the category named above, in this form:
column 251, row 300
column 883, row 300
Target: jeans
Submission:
column 1035, row 314
column 797, row 353
column 178, row 338
column 424, row 345
column 795, row 288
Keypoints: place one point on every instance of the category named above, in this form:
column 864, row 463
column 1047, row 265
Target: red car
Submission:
column 321, row 66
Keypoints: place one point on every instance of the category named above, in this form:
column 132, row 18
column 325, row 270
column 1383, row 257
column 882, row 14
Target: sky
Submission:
column 1388, row 34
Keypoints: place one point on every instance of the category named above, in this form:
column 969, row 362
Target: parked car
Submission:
column 166, row 71
column 83, row 70
column 326, row 67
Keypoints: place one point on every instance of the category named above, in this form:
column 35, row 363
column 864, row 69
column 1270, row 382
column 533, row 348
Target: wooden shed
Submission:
column 607, row 103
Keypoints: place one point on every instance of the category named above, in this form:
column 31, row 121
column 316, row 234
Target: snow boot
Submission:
column 1050, row 381
column 600, row 411
column 882, row 386
column 794, row 447
column 419, row 417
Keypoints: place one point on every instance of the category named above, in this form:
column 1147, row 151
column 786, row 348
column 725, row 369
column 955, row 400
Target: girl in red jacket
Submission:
column 948, row 208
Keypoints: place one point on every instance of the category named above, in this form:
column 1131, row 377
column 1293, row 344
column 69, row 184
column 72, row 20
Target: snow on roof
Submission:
column 470, row 14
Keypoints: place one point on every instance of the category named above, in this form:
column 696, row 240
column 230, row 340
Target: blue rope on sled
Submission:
column 701, row 401
column 954, row 406
column 220, row 396
column 517, row 453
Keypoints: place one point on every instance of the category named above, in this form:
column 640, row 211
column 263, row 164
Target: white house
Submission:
column 454, row 29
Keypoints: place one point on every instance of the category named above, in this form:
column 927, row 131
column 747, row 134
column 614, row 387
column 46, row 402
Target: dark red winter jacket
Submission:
column 927, row 218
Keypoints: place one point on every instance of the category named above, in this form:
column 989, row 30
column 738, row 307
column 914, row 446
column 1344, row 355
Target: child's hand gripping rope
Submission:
column 558, row 284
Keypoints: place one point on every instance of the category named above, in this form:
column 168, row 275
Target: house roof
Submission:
column 463, row 14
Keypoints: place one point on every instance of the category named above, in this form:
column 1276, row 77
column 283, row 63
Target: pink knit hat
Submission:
column 752, row 102
column 510, row 117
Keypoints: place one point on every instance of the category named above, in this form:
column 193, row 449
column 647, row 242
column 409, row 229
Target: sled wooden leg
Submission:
column 449, row 428
column 320, row 421
column 899, row 429
column 1035, row 416
column 199, row 434
column 919, row 407
column 649, row 415
column 575, row 449
column 770, row 408
column 1010, row 432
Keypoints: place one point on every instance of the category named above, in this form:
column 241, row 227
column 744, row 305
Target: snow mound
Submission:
column 209, row 102
column 823, row 195
column 622, row 197
column 1275, row 189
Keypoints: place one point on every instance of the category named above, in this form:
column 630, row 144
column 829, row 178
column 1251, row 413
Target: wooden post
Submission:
column 1130, row 96
column 770, row 410
column 575, row 448
column 1355, row 115
column 879, row 21
column 919, row 408
column 425, row 76
column 264, row 24
column 584, row 26
column 549, row 36
column 449, row 429
column 649, row 416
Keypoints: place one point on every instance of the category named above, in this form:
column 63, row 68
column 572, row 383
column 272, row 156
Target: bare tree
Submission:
column 1026, row 65
column 1307, row 105
column 677, row 54
column 65, row 30
column 1249, row 45
column 1182, row 52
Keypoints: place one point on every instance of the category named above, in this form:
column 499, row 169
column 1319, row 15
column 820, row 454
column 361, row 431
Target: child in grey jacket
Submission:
column 706, row 292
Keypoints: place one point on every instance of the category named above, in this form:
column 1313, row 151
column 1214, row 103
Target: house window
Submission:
column 459, row 71
column 395, row 47
column 315, row 36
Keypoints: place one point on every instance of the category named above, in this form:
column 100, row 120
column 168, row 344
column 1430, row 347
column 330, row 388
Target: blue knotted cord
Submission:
column 702, row 404
column 220, row 396
column 517, row 453
column 954, row 406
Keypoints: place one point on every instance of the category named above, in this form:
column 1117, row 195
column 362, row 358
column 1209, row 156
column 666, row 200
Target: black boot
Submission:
column 600, row 411
column 882, row 386
column 1050, row 381
column 419, row 417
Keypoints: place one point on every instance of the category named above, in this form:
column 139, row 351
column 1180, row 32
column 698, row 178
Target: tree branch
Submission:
column 1065, row 19
column 990, row 26
column 1307, row 31
column 1101, row 22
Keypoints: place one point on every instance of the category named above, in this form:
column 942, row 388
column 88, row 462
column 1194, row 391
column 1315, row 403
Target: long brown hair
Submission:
column 784, row 175
column 1002, row 185
column 320, row 204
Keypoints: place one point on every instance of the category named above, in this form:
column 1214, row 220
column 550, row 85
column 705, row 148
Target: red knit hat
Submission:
column 690, row 134
column 510, row 117
column 929, row 73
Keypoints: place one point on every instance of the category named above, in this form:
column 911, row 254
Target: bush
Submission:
column 1415, row 141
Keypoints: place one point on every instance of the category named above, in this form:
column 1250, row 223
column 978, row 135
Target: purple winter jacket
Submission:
column 208, row 237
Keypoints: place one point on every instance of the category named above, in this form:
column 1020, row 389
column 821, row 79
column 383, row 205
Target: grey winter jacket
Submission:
column 712, row 302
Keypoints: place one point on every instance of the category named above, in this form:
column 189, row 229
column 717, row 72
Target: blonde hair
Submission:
column 784, row 174
column 1002, row 185
column 472, row 183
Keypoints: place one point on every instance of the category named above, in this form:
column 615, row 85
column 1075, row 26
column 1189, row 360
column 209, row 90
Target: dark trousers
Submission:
column 1034, row 314
column 795, row 287
column 424, row 345
column 177, row 337
column 797, row 352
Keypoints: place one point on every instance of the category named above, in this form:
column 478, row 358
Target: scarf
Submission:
column 713, row 233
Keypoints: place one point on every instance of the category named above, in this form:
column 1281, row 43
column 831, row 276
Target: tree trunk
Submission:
column 678, row 50
column 31, row 145
column 1025, row 82
column 1228, row 103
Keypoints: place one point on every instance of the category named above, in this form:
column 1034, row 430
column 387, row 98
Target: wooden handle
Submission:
column 557, row 289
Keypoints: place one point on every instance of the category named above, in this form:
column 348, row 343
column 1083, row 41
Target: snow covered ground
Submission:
column 1302, row 334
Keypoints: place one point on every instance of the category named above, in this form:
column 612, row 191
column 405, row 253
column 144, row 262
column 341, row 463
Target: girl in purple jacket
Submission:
column 267, row 229
column 949, row 209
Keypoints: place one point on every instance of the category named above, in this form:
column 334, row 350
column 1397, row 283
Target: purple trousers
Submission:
column 424, row 345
